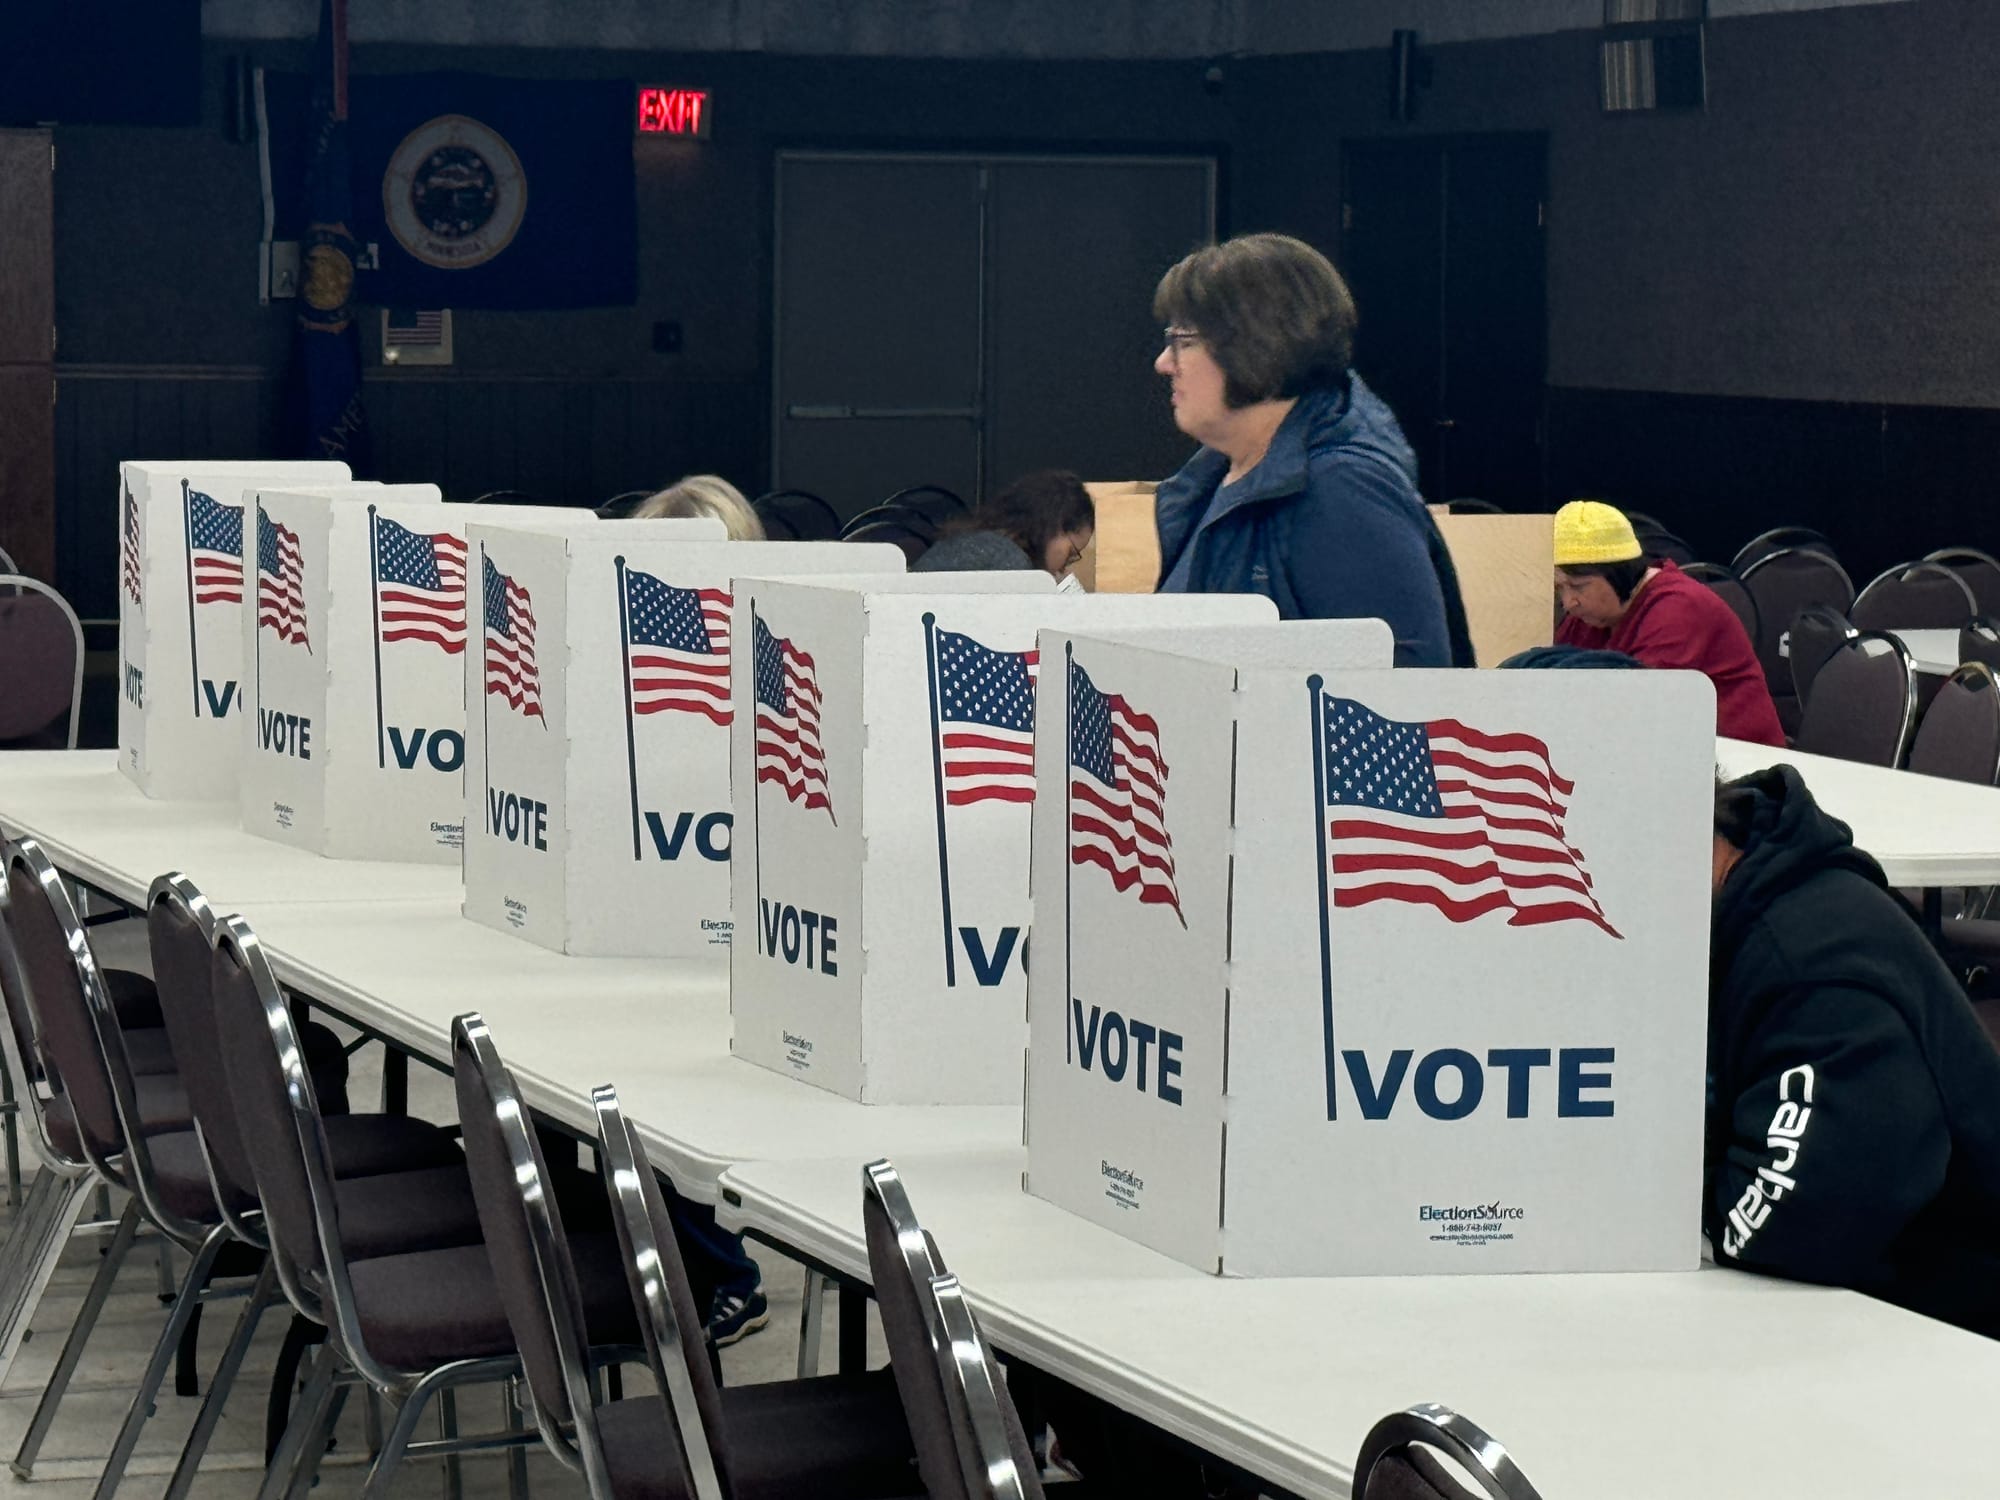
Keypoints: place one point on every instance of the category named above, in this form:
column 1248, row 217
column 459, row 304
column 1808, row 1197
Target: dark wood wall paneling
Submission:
column 27, row 318
column 565, row 441
column 1886, row 483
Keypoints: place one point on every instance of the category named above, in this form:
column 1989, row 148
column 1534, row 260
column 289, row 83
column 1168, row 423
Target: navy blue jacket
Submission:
column 1328, row 526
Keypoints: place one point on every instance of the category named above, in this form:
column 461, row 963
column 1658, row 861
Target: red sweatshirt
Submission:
column 1677, row 622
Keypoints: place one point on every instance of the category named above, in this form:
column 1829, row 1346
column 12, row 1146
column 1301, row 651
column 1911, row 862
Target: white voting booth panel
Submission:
column 1404, row 973
column 605, row 825
column 354, row 745
column 180, row 639
column 884, row 783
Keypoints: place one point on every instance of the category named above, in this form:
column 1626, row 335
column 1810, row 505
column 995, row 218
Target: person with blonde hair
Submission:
column 704, row 495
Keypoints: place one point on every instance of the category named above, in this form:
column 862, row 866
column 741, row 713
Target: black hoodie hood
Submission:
column 1791, row 841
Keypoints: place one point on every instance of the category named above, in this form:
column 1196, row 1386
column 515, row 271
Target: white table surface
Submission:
column 99, row 827
column 656, row 1029
column 1923, row 830
column 1934, row 652
column 1642, row 1387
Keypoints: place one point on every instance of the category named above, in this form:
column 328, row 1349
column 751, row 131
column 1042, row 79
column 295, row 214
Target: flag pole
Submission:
column 1314, row 683
column 625, row 654
column 194, row 650
column 257, row 606
column 485, row 693
column 937, row 777
column 375, row 603
column 756, row 788
column 1069, row 837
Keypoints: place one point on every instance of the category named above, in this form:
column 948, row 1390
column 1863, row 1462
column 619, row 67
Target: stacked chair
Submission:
column 1980, row 572
column 1864, row 702
column 1786, row 580
column 1914, row 596
column 41, row 665
column 797, row 516
column 1395, row 1461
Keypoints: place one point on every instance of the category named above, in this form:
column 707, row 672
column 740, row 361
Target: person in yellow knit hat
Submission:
column 1616, row 599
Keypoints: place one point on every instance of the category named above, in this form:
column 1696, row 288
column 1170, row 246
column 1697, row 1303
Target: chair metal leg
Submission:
column 12, row 1105
column 300, row 1334
column 454, row 1469
column 382, row 1473
column 166, row 1293
column 79, row 1332
column 163, row 1352
column 317, row 1444
column 810, row 1320
column 219, row 1384
column 187, row 1356
column 517, row 1458
column 41, row 1233
column 304, row 1425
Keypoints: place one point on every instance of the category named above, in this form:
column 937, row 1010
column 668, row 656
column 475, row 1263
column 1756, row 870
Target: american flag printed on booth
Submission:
column 420, row 586
column 281, row 580
column 1441, row 814
column 1118, row 794
column 789, row 752
column 986, row 721
column 510, row 643
column 129, row 549
column 677, row 648
column 215, row 550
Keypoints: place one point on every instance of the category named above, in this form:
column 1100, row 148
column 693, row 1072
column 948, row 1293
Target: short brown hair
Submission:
column 1033, row 511
column 1272, row 311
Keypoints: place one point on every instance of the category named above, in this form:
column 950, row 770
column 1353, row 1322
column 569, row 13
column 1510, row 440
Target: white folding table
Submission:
column 1644, row 1387
column 100, row 828
column 1932, row 652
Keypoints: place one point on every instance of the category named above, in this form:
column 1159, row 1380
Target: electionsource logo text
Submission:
column 1479, row 1212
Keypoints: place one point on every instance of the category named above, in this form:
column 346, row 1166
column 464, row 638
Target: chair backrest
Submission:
column 41, row 659
column 968, row 1437
column 1392, row 1463
column 620, row 507
column 1864, row 702
column 1960, row 735
column 798, row 513
column 1779, row 539
column 913, row 521
column 1727, row 587
column 528, row 1248
column 180, row 930
column 507, row 497
column 1817, row 632
column 1980, row 570
column 283, row 1135
column 933, row 502
column 897, row 532
column 1465, row 505
column 1979, row 640
column 1658, row 543
column 1914, row 596
column 675, row 1337
column 34, row 1086
column 1783, row 583
column 7, row 563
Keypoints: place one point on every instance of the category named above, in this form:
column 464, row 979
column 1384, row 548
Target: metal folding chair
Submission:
column 1393, row 1466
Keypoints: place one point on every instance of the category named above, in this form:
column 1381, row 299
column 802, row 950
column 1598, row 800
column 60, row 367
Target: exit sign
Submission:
column 682, row 112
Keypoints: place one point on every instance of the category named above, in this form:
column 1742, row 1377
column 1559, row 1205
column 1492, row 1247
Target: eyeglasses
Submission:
column 1177, row 339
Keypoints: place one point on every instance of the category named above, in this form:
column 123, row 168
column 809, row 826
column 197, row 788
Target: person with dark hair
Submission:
column 1304, row 490
column 1853, row 1133
column 1615, row 598
column 1042, row 520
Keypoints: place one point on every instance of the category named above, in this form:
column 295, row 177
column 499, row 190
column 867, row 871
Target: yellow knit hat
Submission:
column 1589, row 531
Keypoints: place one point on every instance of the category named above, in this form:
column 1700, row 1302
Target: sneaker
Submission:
column 736, row 1315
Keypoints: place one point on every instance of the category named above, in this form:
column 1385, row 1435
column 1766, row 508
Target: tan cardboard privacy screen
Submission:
column 1503, row 565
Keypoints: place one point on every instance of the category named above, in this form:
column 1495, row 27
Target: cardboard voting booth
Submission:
column 1345, row 972
column 1124, row 552
column 180, row 638
column 598, row 782
column 354, row 745
column 884, row 785
column 1505, row 567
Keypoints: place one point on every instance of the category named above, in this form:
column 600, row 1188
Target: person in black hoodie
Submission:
column 1854, row 1099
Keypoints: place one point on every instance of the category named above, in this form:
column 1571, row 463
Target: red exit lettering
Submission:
column 681, row 112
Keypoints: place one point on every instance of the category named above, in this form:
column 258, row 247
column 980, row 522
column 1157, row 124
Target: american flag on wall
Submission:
column 1441, row 814
column 985, row 721
column 510, row 643
column 281, row 580
column 129, row 548
column 789, row 752
column 420, row 586
column 1118, row 794
column 215, row 549
column 677, row 648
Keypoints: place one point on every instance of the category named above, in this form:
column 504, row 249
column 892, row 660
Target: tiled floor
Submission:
column 88, row 1420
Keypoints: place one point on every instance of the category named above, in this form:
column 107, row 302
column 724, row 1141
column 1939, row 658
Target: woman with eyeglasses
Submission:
column 1042, row 520
column 1305, row 489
